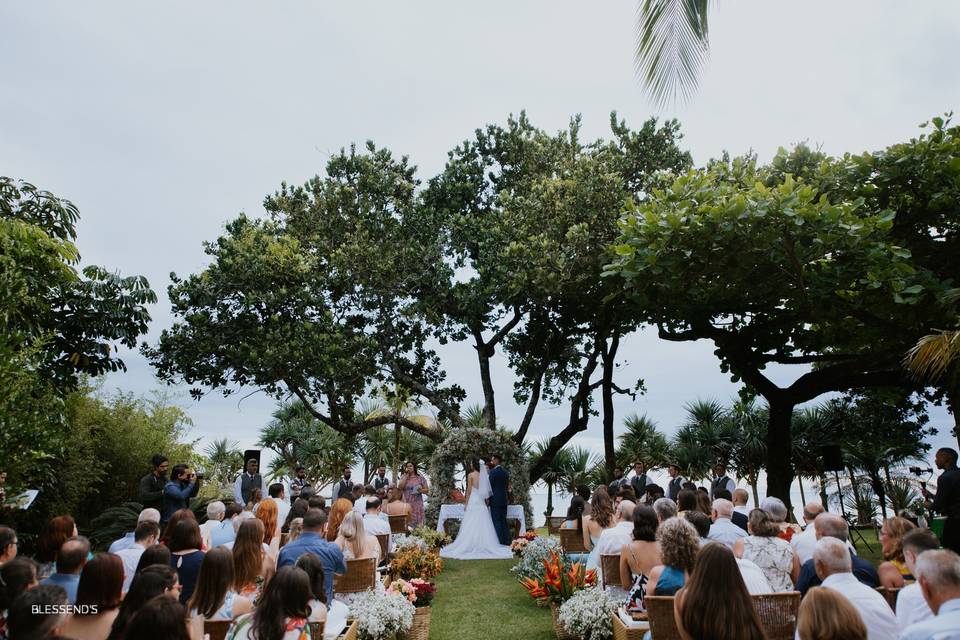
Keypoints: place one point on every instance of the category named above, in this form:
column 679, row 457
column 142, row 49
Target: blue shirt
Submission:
column 123, row 543
column 945, row 626
column 69, row 581
column 331, row 558
column 176, row 497
column 862, row 570
column 222, row 533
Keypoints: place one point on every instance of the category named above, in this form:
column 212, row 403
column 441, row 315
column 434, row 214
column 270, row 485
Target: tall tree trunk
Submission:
column 803, row 497
column 606, row 387
column 877, row 483
column 549, row 511
column 484, row 353
column 396, row 453
column 754, row 481
column 780, row 451
column 824, row 498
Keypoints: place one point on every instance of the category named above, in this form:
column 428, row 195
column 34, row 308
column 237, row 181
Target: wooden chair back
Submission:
column 216, row 629
column 351, row 632
column 572, row 541
column 384, row 540
column 398, row 524
column 316, row 630
column 778, row 613
column 360, row 576
column 890, row 595
column 610, row 568
column 554, row 523
column 663, row 626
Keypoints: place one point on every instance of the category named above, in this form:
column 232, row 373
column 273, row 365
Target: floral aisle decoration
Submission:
column 534, row 553
column 518, row 545
column 431, row 537
column 381, row 615
column 588, row 614
column 419, row 593
column 413, row 562
column 561, row 580
column 402, row 541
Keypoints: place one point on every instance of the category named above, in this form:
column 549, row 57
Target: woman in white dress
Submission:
column 477, row 539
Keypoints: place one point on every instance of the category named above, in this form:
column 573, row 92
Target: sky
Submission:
column 163, row 122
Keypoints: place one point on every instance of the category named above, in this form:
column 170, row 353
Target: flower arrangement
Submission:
column 418, row 592
column 528, row 536
column 588, row 614
column 561, row 580
column 534, row 553
column 381, row 615
column 518, row 545
column 403, row 541
column 433, row 538
column 414, row 562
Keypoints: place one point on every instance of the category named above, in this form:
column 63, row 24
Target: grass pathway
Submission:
column 482, row 599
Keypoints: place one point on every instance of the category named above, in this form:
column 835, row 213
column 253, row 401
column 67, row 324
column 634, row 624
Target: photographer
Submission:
column 152, row 484
column 183, row 485
column 947, row 499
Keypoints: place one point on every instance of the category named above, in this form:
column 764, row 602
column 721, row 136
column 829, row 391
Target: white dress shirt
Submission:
column 611, row 540
column 238, row 495
column 805, row 542
column 360, row 506
column 130, row 558
column 742, row 508
column 283, row 509
column 944, row 626
column 873, row 608
column 725, row 532
column 911, row 607
column 753, row 577
column 377, row 526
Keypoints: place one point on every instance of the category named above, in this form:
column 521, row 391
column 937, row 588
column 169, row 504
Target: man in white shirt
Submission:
column 740, row 500
column 804, row 542
column 723, row 530
column 279, row 495
column 146, row 535
column 911, row 607
column 373, row 523
column 360, row 504
column 147, row 515
column 834, row 567
column 612, row 540
column 753, row 577
column 247, row 482
column 938, row 573
column 215, row 511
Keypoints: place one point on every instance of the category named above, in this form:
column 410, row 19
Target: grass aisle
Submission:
column 482, row 599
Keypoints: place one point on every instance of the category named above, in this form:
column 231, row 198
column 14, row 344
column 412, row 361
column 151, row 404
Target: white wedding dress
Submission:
column 477, row 539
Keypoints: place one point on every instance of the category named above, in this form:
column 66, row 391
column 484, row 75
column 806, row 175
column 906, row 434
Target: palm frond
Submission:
column 933, row 354
column 672, row 48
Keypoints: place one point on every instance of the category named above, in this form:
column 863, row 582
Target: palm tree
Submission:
column 672, row 47
column 749, row 455
column 933, row 355
column 555, row 473
column 812, row 429
column 225, row 460
column 397, row 402
column 642, row 442
column 583, row 468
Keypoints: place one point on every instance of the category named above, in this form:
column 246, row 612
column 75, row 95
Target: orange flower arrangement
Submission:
column 560, row 581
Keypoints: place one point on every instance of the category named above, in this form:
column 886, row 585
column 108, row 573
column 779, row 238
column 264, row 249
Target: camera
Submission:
column 199, row 476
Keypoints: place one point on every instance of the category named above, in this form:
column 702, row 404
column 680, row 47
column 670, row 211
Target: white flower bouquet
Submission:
column 532, row 556
column 381, row 615
column 588, row 614
column 402, row 541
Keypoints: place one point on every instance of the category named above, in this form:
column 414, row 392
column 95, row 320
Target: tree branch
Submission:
column 521, row 433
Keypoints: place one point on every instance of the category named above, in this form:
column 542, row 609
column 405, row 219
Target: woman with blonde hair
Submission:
column 252, row 565
column 601, row 517
column 338, row 511
column 679, row 544
column 894, row 573
column 354, row 541
column 826, row 614
column 269, row 515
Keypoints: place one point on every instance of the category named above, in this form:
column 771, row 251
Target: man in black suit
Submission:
column 736, row 517
column 828, row 525
column 499, row 488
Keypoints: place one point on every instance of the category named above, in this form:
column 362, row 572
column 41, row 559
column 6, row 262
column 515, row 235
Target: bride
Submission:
column 477, row 539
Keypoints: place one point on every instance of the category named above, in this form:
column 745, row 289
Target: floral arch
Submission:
column 471, row 443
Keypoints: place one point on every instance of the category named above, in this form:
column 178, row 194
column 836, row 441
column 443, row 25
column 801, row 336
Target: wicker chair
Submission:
column 554, row 523
column 663, row 626
column 384, row 540
column 778, row 613
column 890, row 595
column 352, row 631
column 610, row 568
column 316, row 630
column 360, row 576
column 398, row 524
column 216, row 629
column 572, row 541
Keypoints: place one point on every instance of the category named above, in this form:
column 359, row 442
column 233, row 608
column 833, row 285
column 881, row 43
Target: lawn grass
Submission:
column 482, row 599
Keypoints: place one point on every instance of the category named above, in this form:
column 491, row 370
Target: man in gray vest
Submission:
column 721, row 480
column 675, row 484
column 247, row 482
column 344, row 488
column 639, row 481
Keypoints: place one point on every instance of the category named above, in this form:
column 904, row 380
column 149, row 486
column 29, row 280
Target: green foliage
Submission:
column 642, row 441
column 113, row 523
column 224, row 462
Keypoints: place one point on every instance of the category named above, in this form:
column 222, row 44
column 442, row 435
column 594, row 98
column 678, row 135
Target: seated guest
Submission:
column 703, row 502
column 8, row 544
column 159, row 619
column 24, row 621
column 373, row 523
column 150, row 582
column 215, row 514
column 395, row 505
column 740, row 498
column 155, row 554
column 665, row 509
column 98, row 598
column 317, row 502
column 186, row 556
column 283, row 611
column 583, row 491
column 701, row 523
column 774, row 555
column 269, row 515
column 653, row 493
column 601, row 518
column 253, row 566
column 296, row 528
column 778, row 515
column 312, row 541
column 176, row 517
column 833, row 565
column 803, row 543
column 736, row 517
column 214, row 597
column 612, row 540
column 938, row 573
column 16, row 576
column 574, row 518
column 715, row 586
column 338, row 512
column 51, row 538
column 679, row 545
column 723, row 530
column 334, row 617
column 298, row 509
column 639, row 556
column 828, row 525
column 278, row 494
column 356, row 494
column 625, row 492
column 70, row 562
column 127, row 541
column 354, row 541
column 911, row 607
column 827, row 614
column 686, row 501
column 360, row 504
column 145, row 535
column 225, row 531
column 894, row 573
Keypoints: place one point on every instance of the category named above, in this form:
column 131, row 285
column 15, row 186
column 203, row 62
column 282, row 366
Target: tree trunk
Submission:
column 803, row 497
column 549, row 511
column 877, row 483
column 396, row 453
column 606, row 387
column 779, row 451
column 484, row 354
column 754, row 481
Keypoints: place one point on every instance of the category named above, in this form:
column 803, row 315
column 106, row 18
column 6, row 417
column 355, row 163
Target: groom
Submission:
column 498, row 499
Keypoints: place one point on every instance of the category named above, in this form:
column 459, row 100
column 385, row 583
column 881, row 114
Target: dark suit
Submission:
column 639, row 484
column 498, row 503
column 862, row 569
column 739, row 519
column 343, row 489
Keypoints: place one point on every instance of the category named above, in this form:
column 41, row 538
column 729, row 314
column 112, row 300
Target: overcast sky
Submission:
column 162, row 122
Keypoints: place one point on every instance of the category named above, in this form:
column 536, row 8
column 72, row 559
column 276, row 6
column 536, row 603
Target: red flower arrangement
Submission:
column 560, row 581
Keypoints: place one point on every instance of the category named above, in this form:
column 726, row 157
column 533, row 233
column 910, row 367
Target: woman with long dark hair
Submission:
column 639, row 557
column 159, row 619
column 51, row 538
column 298, row 510
column 99, row 593
column 574, row 519
column 175, row 519
column 214, row 597
column 252, row 566
column 185, row 555
column 600, row 518
column 714, row 604
column 150, row 582
column 156, row 554
column 16, row 576
column 283, row 611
